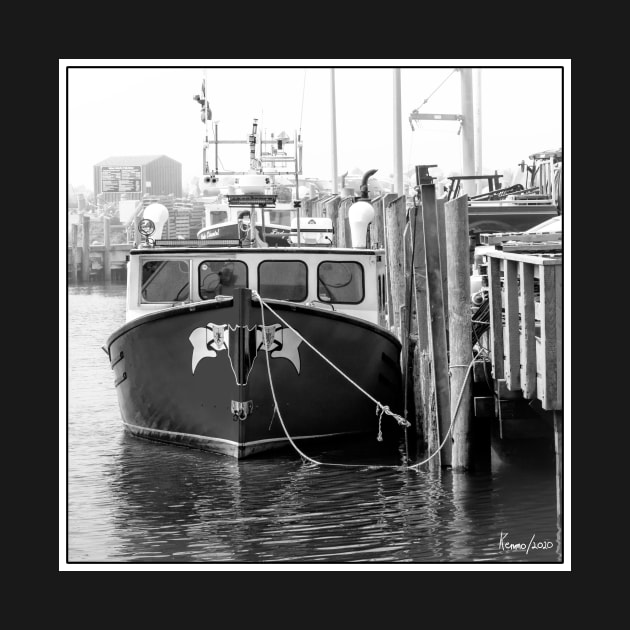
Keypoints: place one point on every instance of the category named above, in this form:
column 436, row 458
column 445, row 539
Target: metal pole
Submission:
column 477, row 134
column 468, row 136
column 333, row 116
column 398, row 174
column 216, row 147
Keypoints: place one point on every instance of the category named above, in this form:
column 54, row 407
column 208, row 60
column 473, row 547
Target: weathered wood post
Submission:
column 385, row 201
column 424, row 391
column 74, row 237
column 85, row 253
column 443, row 264
column 332, row 212
column 460, row 327
column 377, row 230
column 107, row 258
column 438, row 323
column 340, row 226
column 395, row 225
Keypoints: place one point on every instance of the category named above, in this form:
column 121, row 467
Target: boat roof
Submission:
column 207, row 247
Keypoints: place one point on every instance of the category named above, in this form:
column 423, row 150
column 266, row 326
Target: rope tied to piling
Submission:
column 380, row 408
column 453, row 416
column 384, row 409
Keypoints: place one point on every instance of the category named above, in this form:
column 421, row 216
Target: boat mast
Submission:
column 333, row 130
column 205, row 112
column 398, row 157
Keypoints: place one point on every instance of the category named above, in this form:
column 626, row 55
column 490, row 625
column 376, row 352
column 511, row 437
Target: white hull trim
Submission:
column 223, row 445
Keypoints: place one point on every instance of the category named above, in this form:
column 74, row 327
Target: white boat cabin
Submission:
column 349, row 281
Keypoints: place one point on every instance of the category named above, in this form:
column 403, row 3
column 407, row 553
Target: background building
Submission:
column 131, row 177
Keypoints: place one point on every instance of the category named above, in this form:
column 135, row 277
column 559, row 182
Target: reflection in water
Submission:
column 173, row 504
column 132, row 500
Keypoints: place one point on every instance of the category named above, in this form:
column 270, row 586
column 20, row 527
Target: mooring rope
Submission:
column 379, row 407
column 383, row 408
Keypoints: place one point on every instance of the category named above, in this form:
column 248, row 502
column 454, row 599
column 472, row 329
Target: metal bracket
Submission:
column 240, row 410
column 120, row 358
column 117, row 382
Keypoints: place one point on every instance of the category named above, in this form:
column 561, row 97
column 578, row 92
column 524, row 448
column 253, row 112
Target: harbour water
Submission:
column 135, row 501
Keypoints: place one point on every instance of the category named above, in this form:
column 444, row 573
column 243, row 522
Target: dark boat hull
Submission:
column 197, row 375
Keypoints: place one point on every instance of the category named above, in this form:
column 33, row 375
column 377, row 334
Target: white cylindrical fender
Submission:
column 360, row 215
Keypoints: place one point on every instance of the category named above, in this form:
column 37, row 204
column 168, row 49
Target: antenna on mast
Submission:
column 206, row 116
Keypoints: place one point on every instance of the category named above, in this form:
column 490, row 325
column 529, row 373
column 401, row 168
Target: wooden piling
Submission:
column 376, row 227
column 107, row 264
column 332, row 211
column 460, row 328
column 74, row 237
column 443, row 256
column 340, row 227
column 423, row 382
column 85, row 252
column 379, row 218
column 437, row 320
column 395, row 225
column 386, row 201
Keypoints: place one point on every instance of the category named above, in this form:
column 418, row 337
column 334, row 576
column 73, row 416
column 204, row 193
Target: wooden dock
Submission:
column 525, row 293
column 91, row 254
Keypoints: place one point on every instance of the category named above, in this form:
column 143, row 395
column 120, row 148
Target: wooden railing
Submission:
column 525, row 292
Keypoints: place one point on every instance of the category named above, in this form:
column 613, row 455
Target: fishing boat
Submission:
column 239, row 347
column 237, row 343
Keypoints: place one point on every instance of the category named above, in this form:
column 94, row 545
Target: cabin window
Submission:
column 221, row 277
column 340, row 282
column 165, row 281
column 283, row 280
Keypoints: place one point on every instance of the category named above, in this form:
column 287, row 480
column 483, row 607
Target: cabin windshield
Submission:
column 340, row 282
column 165, row 281
column 283, row 280
column 221, row 277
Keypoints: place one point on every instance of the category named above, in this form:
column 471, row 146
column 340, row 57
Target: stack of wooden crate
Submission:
column 197, row 215
column 181, row 211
